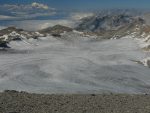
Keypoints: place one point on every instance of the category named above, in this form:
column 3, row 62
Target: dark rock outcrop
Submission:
column 4, row 45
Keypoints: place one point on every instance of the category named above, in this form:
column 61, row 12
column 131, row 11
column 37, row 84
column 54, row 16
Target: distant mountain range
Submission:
column 104, row 27
column 110, row 25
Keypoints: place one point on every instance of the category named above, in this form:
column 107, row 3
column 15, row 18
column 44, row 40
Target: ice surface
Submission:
column 51, row 65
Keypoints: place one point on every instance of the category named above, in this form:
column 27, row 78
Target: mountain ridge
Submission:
column 102, row 27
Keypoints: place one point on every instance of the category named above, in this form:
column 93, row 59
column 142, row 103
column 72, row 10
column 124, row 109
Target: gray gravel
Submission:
column 22, row 102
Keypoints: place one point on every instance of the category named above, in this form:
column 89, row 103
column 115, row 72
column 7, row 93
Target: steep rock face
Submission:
column 106, row 23
column 56, row 30
column 110, row 25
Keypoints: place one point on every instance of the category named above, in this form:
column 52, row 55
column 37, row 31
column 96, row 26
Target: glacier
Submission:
column 78, row 65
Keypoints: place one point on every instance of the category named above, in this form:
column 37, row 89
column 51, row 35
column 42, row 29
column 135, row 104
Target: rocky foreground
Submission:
column 22, row 102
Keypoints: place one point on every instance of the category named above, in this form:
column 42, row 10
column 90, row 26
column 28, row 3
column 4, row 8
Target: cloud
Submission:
column 33, row 16
column 2, row 27
column 70, row 20
column 40, row 6
column 34, row 25
column 80, row 15
column 25, row 11
column 26, row 7
column 4, row 17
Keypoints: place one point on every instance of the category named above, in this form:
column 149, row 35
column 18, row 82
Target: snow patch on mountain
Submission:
column 146, row 62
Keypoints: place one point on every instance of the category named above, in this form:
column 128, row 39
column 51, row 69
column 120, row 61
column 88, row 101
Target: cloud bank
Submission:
column 80, row 15
column 4, row 17
column 25, row 11
column 71, row 21
column 40, row 6
column 36, row 16
column 34, row 25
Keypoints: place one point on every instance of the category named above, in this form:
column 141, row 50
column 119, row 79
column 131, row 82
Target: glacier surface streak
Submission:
column 50, row 65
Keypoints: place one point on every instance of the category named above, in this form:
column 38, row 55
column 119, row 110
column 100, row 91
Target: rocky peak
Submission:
column 9, row 30
column 107, row 22
column 108, row 26
column 56, row 30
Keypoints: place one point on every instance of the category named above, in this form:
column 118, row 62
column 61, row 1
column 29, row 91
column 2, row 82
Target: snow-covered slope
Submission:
column 52, row 65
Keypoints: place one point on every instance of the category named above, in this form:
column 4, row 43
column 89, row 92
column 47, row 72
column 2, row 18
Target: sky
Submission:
column 86, row 4
column 28, row 13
